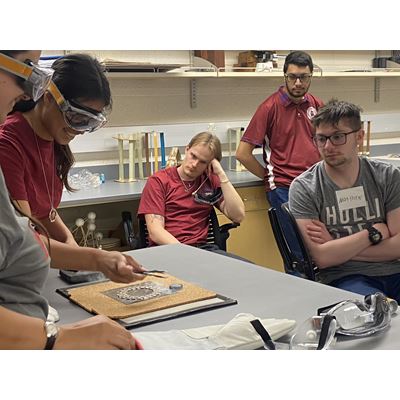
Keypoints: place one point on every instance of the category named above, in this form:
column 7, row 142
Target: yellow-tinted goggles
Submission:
column 76, row 116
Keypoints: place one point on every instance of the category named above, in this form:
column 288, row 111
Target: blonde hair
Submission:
column 212, row 141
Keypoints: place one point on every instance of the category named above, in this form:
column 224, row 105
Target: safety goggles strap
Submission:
column 55, row 92
column 323, row 337
column 15, row 67
column 323, row 310
column 265, row 336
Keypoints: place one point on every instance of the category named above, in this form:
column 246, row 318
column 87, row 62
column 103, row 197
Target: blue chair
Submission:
column 303, row 267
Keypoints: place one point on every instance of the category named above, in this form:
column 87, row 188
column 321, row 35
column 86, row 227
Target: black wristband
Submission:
column 51, row 331
column 50, row 342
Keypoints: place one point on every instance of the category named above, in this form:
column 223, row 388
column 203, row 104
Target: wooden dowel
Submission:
column 121, row 159
column 147, row 150
column 155, row 136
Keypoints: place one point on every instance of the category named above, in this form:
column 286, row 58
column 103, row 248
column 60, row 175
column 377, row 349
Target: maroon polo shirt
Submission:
column 284, row 131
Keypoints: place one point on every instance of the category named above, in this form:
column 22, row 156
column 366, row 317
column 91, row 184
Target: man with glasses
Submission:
column 282, row 127
column 347, row 208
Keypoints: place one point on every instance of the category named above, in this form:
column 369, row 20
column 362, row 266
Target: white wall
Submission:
column 139, row 104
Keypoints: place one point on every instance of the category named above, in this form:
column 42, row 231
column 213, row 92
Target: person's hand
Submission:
column 96, row 333
column 118, row 267
column 318, row 232
column 216, row 168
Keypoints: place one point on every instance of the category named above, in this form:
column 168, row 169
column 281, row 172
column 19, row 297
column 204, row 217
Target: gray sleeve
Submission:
column 301, row 200
column 392, row 184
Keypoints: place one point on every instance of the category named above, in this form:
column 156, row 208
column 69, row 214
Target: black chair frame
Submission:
column 304, row 267
column 216, row 234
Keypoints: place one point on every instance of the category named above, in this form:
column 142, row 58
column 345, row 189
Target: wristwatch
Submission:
column 374, row 235
column 51, row 334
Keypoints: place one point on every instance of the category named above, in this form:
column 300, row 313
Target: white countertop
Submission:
column 112, row 191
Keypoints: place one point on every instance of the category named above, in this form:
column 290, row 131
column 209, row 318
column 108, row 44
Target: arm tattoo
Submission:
column 156, row 216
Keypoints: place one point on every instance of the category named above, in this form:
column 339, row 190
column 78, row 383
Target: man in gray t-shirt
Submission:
column 348, row 208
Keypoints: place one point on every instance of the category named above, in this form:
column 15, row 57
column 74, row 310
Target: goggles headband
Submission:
column 33, row 79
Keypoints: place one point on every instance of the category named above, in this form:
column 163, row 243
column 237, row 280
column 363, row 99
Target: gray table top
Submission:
column 261, row 291
column 112, row 191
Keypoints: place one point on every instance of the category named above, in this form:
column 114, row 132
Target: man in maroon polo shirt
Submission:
column 282, row 127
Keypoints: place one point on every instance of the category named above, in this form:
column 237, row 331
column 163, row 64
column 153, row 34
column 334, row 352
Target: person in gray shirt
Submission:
column 347, row 208
column 24, row 257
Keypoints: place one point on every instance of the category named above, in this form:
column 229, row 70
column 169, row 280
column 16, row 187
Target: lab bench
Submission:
column 253, row 240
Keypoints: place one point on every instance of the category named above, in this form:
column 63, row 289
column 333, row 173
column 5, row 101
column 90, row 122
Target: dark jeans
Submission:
column 389, row 285
column 276, row 198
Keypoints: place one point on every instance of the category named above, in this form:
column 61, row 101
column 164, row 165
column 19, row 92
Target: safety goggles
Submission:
column 207, row 194
column 350, row 318
column 77, row 116
column 32, row 79
column 356, row 318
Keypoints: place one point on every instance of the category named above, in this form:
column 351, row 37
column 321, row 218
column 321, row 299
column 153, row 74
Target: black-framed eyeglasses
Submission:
column 337, row 139
column 304, row 78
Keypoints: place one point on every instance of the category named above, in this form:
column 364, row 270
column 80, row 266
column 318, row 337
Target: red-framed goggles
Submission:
column 77, row 116
column 32, row 78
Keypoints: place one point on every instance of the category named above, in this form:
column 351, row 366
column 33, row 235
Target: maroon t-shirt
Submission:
column 22, row 168
column 284, row 130
column 164, row 194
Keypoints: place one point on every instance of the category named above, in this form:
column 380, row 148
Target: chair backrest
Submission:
column 216, row 234
column 304, row 267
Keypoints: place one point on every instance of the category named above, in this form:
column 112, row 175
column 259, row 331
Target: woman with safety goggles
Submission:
column 34, row 144
column 24, row 260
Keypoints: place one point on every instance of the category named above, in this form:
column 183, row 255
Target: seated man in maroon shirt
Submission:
column 173, row 203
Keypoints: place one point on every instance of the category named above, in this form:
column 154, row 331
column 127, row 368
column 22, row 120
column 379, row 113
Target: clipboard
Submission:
column 89, row 296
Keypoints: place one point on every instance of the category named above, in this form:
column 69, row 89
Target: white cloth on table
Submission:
column 237, row 334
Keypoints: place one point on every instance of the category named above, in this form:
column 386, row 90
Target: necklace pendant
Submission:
column 52, row 214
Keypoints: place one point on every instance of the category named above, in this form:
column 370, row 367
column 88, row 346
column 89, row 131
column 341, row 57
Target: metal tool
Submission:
column 153, row 272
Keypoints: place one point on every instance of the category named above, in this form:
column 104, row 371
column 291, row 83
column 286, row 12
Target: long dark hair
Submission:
column 79, row 77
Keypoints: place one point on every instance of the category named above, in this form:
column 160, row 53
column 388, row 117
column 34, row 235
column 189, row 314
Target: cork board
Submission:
column 92, row 298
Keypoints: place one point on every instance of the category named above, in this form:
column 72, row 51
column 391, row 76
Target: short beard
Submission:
column 337, row 163
column 291, row 94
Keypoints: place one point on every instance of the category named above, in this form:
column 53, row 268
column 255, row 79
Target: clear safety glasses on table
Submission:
column 353, row 318
column 33, row 79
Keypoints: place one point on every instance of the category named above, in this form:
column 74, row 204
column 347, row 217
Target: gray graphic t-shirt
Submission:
column 24, row 262
column 313, row 195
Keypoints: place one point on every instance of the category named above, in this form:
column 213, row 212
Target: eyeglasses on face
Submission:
column 337, row 139
column 304, row 78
